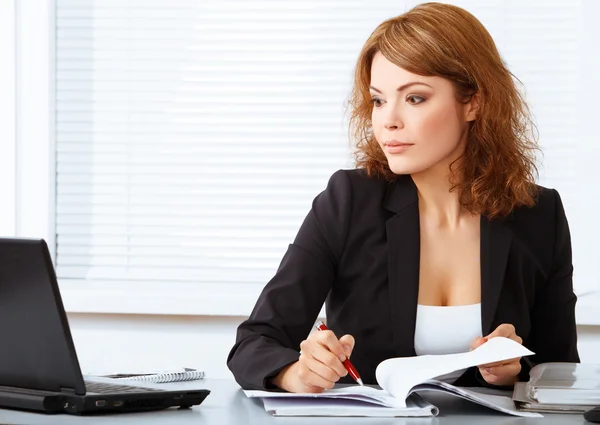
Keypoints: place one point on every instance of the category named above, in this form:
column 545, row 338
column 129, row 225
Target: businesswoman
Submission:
column 438, row 241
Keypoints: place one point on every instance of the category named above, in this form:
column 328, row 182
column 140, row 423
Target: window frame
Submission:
column 28, row 164
column 8, row 125
column 35, row 181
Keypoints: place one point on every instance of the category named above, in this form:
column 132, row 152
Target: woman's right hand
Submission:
column 320, row 364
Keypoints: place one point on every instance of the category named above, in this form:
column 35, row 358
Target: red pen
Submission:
column 347, row 364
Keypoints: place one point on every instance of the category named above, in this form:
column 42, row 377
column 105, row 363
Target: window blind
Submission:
column 192, row 136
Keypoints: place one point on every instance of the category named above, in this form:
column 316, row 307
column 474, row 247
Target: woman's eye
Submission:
column 415, row 100
column 376, row 102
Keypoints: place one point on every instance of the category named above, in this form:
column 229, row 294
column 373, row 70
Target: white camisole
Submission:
column 447, row 330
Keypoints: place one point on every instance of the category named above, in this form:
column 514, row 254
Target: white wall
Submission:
column 123, row 343
column 589, row 344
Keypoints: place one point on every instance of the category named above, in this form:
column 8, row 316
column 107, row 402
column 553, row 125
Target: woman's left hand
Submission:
column 505, row 372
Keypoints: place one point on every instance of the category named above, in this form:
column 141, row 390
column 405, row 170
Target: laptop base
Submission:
column 41, row 401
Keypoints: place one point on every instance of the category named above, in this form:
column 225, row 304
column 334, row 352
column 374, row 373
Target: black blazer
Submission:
column 358, row 249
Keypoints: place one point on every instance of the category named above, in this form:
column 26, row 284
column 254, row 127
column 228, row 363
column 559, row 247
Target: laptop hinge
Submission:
column 67, row 390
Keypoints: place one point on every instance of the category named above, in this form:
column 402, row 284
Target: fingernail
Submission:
column 342, row 357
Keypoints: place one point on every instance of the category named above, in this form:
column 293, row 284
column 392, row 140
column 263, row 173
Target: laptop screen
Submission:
column 36, row 349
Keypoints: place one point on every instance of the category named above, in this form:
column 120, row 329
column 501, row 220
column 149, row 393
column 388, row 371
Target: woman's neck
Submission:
column 439, row 205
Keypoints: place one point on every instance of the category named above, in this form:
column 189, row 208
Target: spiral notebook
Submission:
column 180, row 375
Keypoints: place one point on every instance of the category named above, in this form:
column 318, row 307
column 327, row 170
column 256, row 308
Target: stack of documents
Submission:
column 560, row 387
column 350, row 401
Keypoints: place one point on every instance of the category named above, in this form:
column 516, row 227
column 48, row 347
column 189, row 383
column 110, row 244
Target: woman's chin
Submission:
column 402, row 168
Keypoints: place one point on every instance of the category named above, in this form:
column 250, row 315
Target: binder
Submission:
column 560, row 387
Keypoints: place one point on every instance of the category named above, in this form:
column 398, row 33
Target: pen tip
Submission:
column 360, row 382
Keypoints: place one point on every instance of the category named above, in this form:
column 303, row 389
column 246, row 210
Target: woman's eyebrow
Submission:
column 402, row 87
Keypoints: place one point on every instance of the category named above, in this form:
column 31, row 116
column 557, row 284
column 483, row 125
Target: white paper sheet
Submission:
column 300, row 406
column 398, row 375
column 356, row 392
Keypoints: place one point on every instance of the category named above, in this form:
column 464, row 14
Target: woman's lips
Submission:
column 394, row 147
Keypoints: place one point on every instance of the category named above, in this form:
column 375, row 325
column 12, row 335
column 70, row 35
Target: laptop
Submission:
column 39, row 369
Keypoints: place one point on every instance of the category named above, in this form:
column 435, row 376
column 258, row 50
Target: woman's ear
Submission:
column 472, row 108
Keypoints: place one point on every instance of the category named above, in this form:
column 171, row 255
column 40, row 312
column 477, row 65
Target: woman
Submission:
column 439, row 240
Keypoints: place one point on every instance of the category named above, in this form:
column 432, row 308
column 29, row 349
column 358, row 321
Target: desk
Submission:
column 227, row 405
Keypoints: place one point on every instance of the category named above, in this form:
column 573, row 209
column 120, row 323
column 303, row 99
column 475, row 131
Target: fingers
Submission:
column 328, row 350
column 296, row 378
column 347, row 342
column 321, row 360
column 477, row 342
column 320, row 364
column 328, row 340
column 505, row 370
column 500, row 363
column 506, row 330
column 501, row 375
column 316, row 373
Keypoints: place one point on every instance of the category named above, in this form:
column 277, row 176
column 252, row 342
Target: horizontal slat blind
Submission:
column 193, row 135
column 542, row 46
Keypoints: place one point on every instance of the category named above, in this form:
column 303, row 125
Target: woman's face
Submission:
column 416, row 120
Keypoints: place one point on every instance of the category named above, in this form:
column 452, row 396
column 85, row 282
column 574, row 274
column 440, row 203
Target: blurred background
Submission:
column 169, row 150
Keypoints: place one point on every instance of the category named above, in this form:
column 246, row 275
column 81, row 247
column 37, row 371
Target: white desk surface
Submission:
column 227, row 405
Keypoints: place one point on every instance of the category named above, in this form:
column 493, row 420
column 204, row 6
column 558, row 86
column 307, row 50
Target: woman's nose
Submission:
column 393, row 120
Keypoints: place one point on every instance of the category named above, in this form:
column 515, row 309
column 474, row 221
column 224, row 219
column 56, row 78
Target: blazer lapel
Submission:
column 403, row 236
column 404, row 253
column 496, row 237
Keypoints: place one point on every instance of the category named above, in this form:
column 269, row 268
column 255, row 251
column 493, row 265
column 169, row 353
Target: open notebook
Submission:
column 400, row 379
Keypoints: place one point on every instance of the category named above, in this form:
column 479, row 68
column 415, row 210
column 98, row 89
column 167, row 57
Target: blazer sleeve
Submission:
column 553, row 334
column 289, row 304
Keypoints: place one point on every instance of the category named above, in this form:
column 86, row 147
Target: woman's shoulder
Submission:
column 357, row 187
column 357, row 179
column 349, row 187
column 548, row 208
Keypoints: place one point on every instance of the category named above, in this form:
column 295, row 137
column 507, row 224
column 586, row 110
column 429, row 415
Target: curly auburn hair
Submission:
column 497, row 171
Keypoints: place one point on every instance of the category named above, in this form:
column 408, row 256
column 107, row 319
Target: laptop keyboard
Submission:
column 105, row 388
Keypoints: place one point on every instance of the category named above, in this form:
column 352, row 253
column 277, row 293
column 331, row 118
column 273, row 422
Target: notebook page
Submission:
column 356, row 392
column 397, row 376
column 416, row 407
